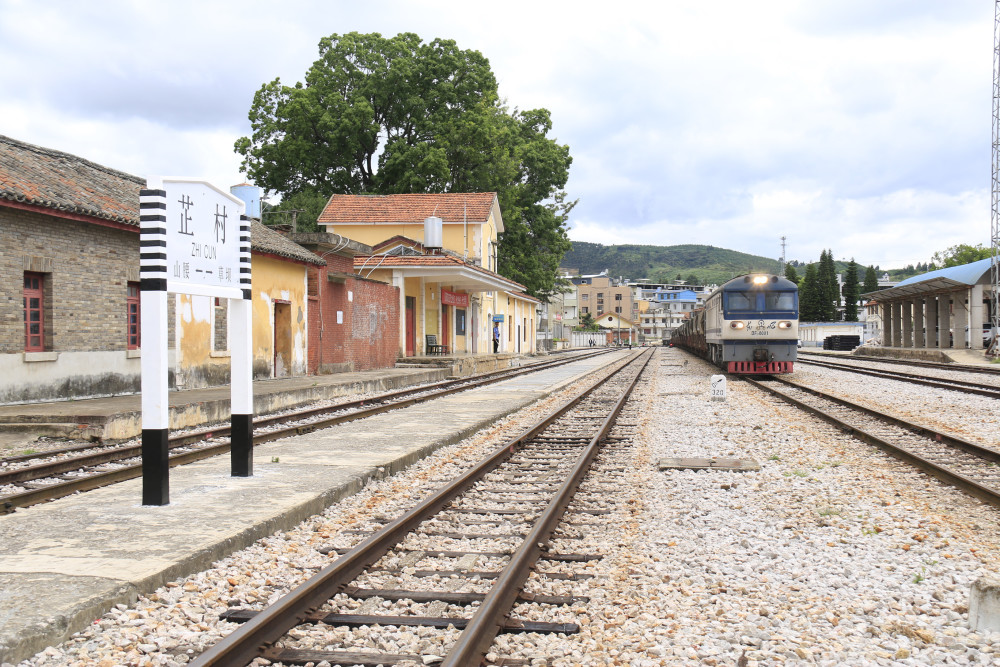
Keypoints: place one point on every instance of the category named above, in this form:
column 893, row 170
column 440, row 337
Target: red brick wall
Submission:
column 368, row 336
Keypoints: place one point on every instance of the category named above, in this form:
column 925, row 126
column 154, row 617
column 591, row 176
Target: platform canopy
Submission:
column 950, row 279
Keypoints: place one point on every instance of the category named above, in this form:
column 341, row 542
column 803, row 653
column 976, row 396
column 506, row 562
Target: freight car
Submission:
column 750, row 325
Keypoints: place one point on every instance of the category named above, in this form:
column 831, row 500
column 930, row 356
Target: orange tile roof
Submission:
column 409, row 208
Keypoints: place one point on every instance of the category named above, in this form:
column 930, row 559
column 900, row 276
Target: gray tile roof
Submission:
column 48, row 178
column 265, row 239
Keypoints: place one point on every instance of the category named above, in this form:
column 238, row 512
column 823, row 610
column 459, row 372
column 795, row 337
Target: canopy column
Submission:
column 944, row 321
column 918, row 322
column 931, row 324
column 907, row 319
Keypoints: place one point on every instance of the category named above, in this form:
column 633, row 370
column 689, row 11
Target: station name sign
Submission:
column 203, row 239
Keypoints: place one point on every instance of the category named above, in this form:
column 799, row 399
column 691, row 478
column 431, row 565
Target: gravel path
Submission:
column 831, row 554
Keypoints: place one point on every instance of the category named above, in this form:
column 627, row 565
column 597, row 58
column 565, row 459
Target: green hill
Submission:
column 661, row 264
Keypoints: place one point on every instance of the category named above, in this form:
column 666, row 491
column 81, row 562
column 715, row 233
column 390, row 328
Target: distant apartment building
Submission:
column 599, row 295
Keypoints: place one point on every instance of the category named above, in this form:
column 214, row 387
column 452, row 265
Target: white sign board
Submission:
column 203, row 239
column 718, row 387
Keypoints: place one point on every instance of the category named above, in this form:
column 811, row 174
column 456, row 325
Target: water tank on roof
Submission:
column 433, row 234
column 249, row 195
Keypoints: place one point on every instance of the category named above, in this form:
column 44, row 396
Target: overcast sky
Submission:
column 862, row 126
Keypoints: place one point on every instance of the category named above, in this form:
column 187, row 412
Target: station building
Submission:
column 70, row 316
column 946, row 309
column 450, row 296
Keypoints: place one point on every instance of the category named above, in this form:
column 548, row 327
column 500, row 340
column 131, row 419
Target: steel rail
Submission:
column 492, row 615
column 938, row 383
column 973, row 488
column 248, row 642
column 180, row 440
column 59, row 490
column 961, row 368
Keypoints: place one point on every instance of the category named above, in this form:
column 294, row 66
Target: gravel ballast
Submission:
column 831, row 554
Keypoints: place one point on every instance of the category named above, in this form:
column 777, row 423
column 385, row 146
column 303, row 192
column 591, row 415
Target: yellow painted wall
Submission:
column 272, row 280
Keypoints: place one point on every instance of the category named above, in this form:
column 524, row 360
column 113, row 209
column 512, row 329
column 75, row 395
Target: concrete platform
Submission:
column 120, row 417
column 65, row 563
column 970, row 357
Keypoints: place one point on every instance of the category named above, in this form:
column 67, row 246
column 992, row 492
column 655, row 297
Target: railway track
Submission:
column 958, row 368
column 978, row 388
column 968, row 466
column 454, row 568
column 25, row 482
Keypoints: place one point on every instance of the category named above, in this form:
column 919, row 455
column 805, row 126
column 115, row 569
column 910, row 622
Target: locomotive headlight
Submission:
column 760, row 280
column 785, row 325
column 737, row 324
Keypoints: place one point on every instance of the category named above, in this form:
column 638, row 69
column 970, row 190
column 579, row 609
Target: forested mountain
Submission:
column 705, row 263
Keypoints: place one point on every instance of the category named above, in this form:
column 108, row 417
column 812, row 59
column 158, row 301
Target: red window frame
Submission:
column 34, row 312
column 132, row 314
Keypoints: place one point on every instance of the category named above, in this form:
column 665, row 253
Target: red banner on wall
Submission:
column 454, row 299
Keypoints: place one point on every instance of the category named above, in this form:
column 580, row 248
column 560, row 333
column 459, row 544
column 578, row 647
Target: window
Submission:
column 779, row 301
column 585, row 297
column 585, row 310
column 220, row 325
column 618, row 297
column 618, row 309
column 600, row 295
column 34, row 312
column 460, row 321
column 132, row 316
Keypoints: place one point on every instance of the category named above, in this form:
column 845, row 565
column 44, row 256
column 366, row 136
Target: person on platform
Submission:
column 496, row 338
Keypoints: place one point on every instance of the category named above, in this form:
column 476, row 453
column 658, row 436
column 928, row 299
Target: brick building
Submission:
column 353, row 321
column 69, row 276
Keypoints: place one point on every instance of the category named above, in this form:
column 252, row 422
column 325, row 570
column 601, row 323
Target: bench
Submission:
column 433, row 347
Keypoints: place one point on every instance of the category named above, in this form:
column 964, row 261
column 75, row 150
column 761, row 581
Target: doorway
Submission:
column 445, row 328
column 411, row 325
column 282, row 338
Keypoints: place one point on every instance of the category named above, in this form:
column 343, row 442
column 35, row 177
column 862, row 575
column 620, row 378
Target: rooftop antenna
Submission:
column 781, row 264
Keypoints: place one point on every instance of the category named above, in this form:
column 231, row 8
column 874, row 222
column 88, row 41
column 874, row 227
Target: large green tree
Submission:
column 390, row 115
column 791, row 273
column 851, row 292
column 871, row 280
column 960, row 254
column 829, row 289
column 810, row 297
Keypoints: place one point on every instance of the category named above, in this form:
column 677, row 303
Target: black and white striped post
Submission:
column 185, row 248
column 153, row 324
column 241, row 340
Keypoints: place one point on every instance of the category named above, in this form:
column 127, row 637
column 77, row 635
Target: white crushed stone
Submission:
column 831, row 554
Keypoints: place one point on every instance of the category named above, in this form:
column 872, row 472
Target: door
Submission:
column 411, row 325
column 282, row 338
column 445, row 326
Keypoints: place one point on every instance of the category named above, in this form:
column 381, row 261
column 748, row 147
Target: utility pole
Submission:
column 781, row 264
column 995, row 216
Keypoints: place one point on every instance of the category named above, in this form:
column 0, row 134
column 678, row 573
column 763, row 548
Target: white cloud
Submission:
column 859, row 126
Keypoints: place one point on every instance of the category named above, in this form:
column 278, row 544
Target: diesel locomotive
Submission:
column 750, row 325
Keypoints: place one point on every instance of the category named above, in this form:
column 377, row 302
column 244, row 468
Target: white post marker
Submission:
column 718, row 387
column 194, row 239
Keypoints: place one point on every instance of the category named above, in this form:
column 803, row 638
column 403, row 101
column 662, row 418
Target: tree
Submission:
column 871, row 280
column 960, row 254
column 829, row 290
column 791, row 273
column 380, row 115
column 303, row 208
column 587, row 323
column 692, row 279
column 851, row 292
column 810, row 298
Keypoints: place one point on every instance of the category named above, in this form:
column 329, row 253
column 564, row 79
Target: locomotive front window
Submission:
column 740, row 301
column 779, row 301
